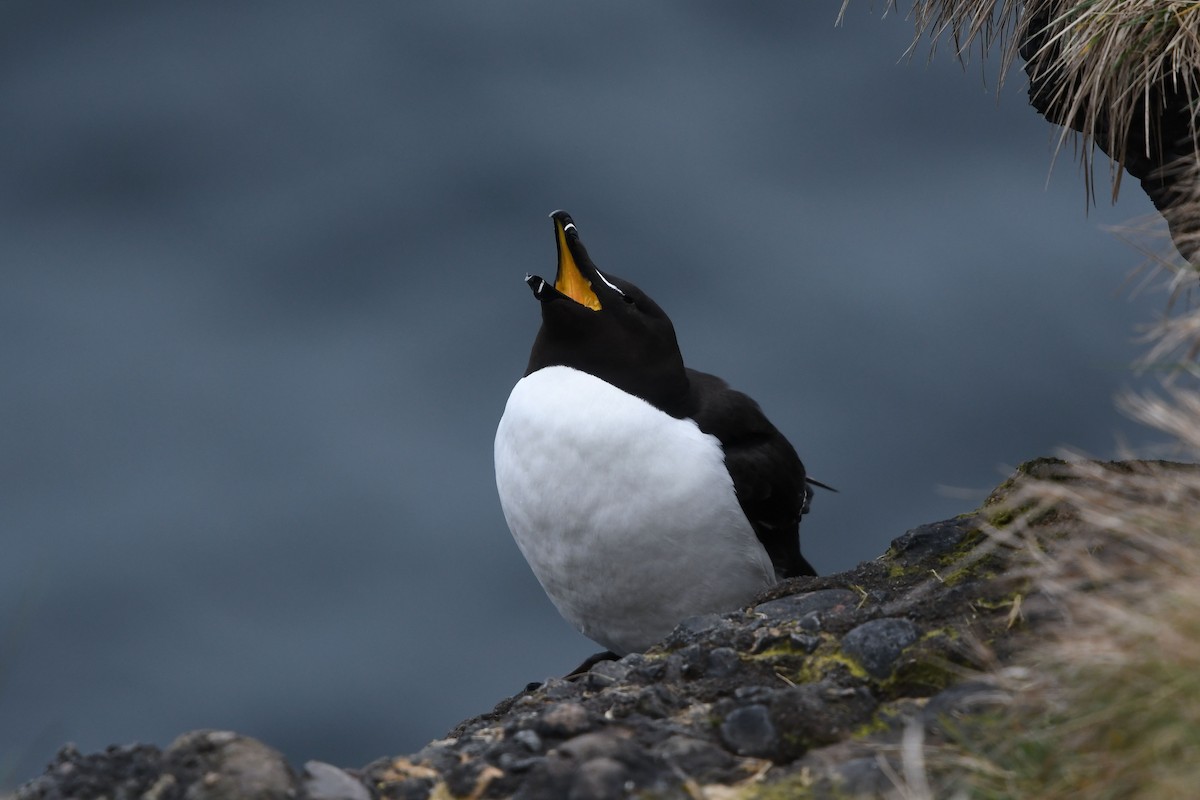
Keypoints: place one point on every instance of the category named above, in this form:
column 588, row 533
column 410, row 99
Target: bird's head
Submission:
column 600, row 324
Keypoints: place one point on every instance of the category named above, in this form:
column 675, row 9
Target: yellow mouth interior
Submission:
column 570, row 280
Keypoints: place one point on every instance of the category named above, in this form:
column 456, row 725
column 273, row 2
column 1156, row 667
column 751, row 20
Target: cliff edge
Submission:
column 810, row 692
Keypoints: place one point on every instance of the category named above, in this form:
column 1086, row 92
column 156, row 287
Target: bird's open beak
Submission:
column 570, row 279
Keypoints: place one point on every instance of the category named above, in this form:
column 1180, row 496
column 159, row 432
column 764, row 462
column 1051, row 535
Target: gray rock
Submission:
column 515, row 764
column 550, row 778
column 754, row 694
column 877, row 644
column 633, row 660
column 693, row 661
column 723, row 662
column 529, row 739
column 696, row 758
column 931, row 541
column 617, row 670
column 564, row 720
column 619, row 703
column 600, row 779
column 232, row 767
column 657, row 701
column 810, row 605
column 649, row 670
column 748, row 731
column 862, row 777
column 770, row 638
column 700, row 624
column 326, row 782
column 559, row 689
column 818, row 714
column 440, row 755
column 606, row 673
column 467, row 778
column 129, row 771
column 589, row 746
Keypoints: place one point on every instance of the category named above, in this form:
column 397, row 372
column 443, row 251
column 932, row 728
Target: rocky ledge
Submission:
column 807, row 693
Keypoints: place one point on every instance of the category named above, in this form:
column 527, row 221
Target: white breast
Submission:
column 627, row 515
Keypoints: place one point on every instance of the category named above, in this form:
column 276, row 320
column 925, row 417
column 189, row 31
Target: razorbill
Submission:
column 641, row 492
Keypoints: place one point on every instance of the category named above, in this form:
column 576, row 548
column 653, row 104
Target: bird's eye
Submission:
column 627, row 299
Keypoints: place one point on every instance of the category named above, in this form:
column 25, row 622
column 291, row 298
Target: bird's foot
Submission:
column 588, row 663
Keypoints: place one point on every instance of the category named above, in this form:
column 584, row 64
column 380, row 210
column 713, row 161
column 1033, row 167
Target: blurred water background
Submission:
column 262, row 304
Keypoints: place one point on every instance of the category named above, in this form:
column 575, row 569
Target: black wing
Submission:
column 767, row 474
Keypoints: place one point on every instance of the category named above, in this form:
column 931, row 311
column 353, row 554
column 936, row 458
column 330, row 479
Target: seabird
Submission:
column 641, row 492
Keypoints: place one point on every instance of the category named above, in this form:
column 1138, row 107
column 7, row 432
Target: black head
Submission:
column 600, row 324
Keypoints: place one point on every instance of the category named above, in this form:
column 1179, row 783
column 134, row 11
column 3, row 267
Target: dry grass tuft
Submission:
column 1114, row 64
column 987, row 24
column 1109, row 705
column 1111, row 64
column 1106, row 703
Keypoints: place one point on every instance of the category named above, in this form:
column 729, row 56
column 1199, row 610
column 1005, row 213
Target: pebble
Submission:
column 928, row 541
column 698, row 625
column 656, row 701
column 587, row 746
column 605, row 674
column 617, row 670
column 529, row 740
column 650, row 671
column 620, row 703
column 464, row 780
column 754, row 694
column 550, row 778
column 723, row 662
column 326, row 782
column 633, row 660
column 798, row 606
column 233, row 767
column 862, row 777
column 438, row 755
column 696, row 758
column 748, row 731
column 513, row 763
column 600, row 779
column 563, row 721
column 771, row 638
column 559, row 689
column 877, row 644
column 693, row 661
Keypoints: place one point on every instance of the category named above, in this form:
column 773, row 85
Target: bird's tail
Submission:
column 815, row 482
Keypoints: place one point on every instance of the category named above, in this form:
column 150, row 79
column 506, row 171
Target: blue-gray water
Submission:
column 262, row 304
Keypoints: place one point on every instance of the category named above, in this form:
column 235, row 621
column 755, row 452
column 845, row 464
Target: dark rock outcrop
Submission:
column 798, row 691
